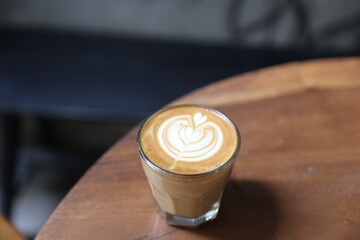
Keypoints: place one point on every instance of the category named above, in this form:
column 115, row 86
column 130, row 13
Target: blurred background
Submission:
column 76, row 75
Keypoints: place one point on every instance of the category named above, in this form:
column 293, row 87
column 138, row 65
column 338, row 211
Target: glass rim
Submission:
column 180, row 175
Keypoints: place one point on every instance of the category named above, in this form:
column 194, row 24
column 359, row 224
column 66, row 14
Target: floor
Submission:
column 46, row 171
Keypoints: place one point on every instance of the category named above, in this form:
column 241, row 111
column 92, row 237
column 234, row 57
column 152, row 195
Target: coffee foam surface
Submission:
column 188, row 139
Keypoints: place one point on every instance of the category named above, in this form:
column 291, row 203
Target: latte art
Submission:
column 189, row 138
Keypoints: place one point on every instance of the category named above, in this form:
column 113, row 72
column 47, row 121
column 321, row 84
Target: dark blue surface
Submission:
column 91, row 77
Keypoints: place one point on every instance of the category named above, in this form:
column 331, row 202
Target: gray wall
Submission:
column 284, row 23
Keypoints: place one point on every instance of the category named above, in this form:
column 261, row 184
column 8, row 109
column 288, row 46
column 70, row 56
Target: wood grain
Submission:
column 297, row 175
column 7, row 231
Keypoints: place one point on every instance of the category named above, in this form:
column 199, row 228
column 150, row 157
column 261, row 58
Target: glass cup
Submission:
column 188, row 200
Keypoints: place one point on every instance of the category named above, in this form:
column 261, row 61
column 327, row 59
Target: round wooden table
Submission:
column 297, row 175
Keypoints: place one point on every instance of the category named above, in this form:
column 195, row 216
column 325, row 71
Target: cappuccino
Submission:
column 188, row 154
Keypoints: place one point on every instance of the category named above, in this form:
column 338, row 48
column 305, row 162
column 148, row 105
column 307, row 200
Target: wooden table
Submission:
column 297, row 175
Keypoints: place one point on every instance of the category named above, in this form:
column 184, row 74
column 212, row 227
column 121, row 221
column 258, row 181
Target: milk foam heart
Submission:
column 190, row 137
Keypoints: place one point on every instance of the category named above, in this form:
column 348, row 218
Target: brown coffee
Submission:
column 188, row 153
column 188, row 139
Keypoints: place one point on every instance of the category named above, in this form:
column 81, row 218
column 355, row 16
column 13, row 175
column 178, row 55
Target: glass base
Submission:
column 192, row 222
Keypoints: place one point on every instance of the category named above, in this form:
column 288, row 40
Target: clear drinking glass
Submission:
column 188, row 200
